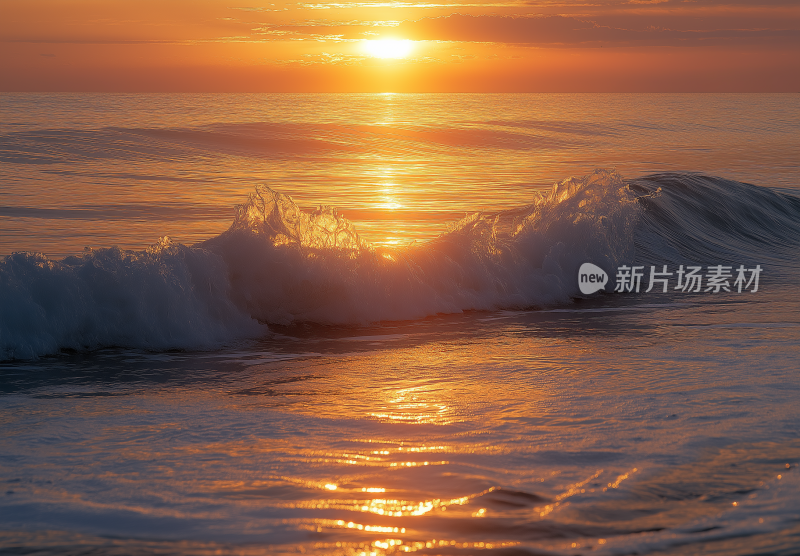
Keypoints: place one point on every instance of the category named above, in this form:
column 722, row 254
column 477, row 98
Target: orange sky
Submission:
column 319, row 45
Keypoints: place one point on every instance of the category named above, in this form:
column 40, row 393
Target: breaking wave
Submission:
column 168, row 296
column 279, row 265
column 286, row 265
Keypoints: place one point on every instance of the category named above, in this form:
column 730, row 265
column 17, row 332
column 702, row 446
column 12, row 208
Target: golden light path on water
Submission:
column 400, row 166
column 377, row 482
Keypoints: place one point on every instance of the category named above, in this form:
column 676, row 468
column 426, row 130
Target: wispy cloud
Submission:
column 407, row 5
column 521, row 22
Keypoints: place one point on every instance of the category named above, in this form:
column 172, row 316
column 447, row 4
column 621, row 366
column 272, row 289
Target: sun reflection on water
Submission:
column 414, row 405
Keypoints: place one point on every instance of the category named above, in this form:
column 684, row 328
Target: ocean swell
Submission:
column 697, row 219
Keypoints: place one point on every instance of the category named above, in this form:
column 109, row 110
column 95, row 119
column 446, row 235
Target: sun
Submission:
column 389, row 48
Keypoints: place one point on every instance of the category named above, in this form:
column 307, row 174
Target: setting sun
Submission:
column 389, row 48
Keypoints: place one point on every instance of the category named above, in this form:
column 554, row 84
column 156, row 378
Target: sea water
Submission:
column 352, row 324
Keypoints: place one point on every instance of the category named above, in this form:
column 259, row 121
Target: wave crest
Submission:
column 289, row 266
column 167, row 296
column 277, row 216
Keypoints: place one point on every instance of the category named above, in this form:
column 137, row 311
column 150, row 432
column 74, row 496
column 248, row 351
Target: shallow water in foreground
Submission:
column 618, row 427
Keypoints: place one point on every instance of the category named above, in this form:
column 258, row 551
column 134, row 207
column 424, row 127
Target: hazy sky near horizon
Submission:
column 467, row 45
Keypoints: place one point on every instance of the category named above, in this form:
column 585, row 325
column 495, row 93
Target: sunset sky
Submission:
column 471, row 46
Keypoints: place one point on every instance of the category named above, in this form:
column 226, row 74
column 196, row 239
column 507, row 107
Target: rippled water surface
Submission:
column 410, row 380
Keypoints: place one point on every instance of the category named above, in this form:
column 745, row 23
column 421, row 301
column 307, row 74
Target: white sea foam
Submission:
column 288, row 266
column 168, row 296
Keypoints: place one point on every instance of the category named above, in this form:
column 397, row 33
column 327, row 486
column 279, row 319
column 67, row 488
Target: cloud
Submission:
column 561, row 30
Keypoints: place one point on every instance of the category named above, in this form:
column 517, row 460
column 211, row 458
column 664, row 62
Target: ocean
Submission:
column 365, row 324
